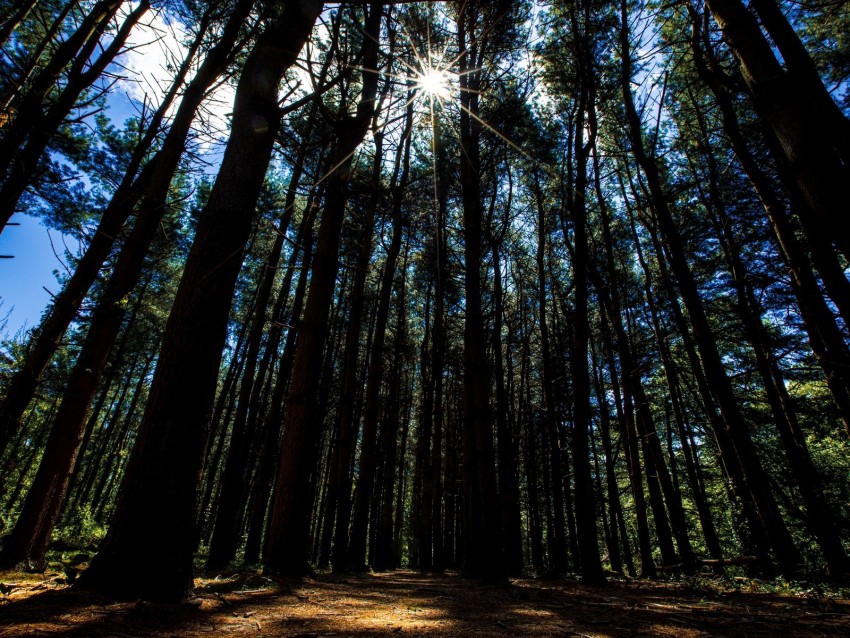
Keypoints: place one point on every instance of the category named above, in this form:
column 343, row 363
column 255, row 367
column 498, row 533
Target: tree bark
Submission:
column 288, row 553
column 155, row 516
column 795, row 111
column 152, row 183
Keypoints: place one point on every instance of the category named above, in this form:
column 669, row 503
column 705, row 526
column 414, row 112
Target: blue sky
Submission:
column 37, row 253
column 23, row 278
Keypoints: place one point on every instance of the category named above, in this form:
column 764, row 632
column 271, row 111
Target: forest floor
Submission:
column 409, row 603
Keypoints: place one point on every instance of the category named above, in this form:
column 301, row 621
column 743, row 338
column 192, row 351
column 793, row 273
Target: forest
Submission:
column 542, row 289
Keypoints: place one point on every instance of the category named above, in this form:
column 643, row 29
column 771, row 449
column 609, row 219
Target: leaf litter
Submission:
column 409, row 603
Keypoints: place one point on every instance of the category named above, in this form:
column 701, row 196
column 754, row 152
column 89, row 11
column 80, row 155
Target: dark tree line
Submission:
column 503, row 287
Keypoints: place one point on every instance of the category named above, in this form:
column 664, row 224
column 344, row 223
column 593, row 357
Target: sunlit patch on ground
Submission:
column 407, row 603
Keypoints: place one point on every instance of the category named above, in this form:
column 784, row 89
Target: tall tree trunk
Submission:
column 273, row 424
column 795, row 108
column 234, row 482
column 28, row 541
column 155, row 516
column 375, row 377
column 347, row 554
column 402, row 522
column 270, row 430
column 507, row 445
column 152, row 183
column 484, row 543
column 557, row 540
column 585, row 501
column 615, row 556
column 825, row 337
column 819, row 518
column 531, row 445
column 757, row 484
column 433, row 555
column 346, row 434
column 288, row 551
column 385, row 556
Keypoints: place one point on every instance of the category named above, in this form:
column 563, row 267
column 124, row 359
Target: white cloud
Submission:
column 155, row 51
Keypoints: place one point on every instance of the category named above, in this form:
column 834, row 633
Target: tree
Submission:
column 156, row 509
column 287, row 548
column 493, row 287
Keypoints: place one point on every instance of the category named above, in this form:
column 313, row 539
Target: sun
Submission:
column 434, row 82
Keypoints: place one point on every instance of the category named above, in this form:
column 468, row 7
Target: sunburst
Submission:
column 434, row 82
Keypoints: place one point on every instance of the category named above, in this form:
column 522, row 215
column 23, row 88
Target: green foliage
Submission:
column 79, row 531
column 826, row 32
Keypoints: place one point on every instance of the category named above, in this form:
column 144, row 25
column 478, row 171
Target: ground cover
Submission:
column 409, row 603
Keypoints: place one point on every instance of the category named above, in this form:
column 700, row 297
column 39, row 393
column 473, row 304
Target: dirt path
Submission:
column 408, row 603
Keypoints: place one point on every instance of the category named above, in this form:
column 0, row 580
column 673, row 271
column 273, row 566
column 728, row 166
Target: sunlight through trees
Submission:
column 509, row 287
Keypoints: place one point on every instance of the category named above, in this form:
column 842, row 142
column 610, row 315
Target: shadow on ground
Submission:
column 409, row 603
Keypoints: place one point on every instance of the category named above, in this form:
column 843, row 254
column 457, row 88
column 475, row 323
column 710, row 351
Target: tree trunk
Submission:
column 819, row 518
column 796, row 110
column 385, row 556
column 757, row 483
column 825, row 337
column 375, row 378
column 152, row 183
column 270, row 445
column 507, row 445
column 28, row 541
column 288, row 553
column 234, row 481
column 585, row 501
column 155, row 516
column 557, row 540
column 615, row 556
column 484, row 542
column 629, row 440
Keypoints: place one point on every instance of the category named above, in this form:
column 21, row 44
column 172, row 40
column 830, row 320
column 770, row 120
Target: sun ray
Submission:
column 490, row 128
column 335, row 167
column 432, row 75
column 468, row 71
